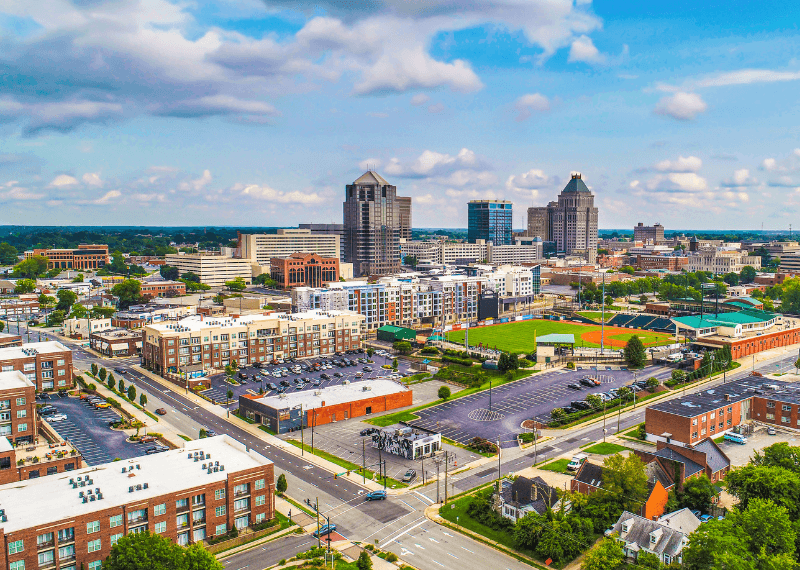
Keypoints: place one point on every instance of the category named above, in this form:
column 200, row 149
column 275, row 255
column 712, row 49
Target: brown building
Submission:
column 652, row 234
column 74, row 520
column 119, row 342
column 47, row 364
column 17, row 409
column 668, row 262
column 17, row 307
column 87, row 256
column 152, row 289
column 304, row 270
column 8, row 339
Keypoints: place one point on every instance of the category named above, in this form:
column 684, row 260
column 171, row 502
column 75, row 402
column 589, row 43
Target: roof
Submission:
column 394, row 329
column 197, row 323
column 591, row 474
column 670, row 540
column 30, row 348
column 711, row 399
column 521, row 491
column 745, row 316
column 332, row 395
column 655, row 473
column 46, row 500
column 691, row 467
column 371, row 177
column 715, row 457
column 556, row 339
column 576, row 184
column 682, row 520
column 14, row 379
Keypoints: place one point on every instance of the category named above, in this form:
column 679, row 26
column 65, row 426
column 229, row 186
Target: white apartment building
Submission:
column 524, row 250
column 717, row 260
column 259, row 249
column 213, row 270
column 83, row 328
column 512, row 281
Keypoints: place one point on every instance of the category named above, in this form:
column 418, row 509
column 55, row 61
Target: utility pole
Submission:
column 302, row 442
column 604, row 421
column 603, row 317
column 446, row 464
column 437, row 481
column 384, row 474
column 316, row 508
column 498, row 464
column 313, row 423
column 363, row 461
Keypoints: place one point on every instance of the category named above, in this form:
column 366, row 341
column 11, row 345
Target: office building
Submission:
column 187, row 495
column 790, row 263
column 405, row 216
column 648, row 234
column 523, row 250
column 163, row 288
column 17, row 410
column 489, row 220
column 213, row 270
column 48, row 365
column 373, row 217
column 259, row 249
column 539, row 222
column 82, row 328
column 718, row 261
column 304, row 270
column 86, row 257
column 329, row 229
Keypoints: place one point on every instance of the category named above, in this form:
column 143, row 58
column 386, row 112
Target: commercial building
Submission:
column 490, row 221
column 8, row 339
column 390, row 333
column 197, row 344
column 136, row 316
column 85, row 257
column 662, row 262
column 330, row 229
column 718, row 261
column 12, row 308
column 213, row 270
column 523, row 250
column 648, row 234
column 260, row 249
column 539, row 222
column 165, row 288
column 48, row 365
column 304, row 270
column 664, row 538
column 373, row 225
column 83, row 328
column 289, row 411
column 790, row 263
column 410, row 443
column 117, row 342
column 74, row 519
column 17, row 411
column 404, row 202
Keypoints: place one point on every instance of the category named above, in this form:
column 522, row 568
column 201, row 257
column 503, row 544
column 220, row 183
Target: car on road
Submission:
column 409, row 476
column 573, row 386
column 56, row 418
column 580, row 405
column 376, row 496
column 62, row 394
column 324, row 530
column 120, row 370
column 161, row 411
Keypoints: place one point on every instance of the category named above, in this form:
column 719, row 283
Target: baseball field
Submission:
column 519, row 336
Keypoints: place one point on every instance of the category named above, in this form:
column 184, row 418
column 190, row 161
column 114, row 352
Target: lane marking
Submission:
column 393, row 539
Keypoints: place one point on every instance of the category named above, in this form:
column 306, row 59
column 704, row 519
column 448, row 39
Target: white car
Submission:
column 57, row 418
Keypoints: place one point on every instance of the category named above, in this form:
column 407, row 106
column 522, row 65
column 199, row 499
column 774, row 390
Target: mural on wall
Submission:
column 394, row 443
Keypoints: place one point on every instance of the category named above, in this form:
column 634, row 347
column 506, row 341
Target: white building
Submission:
column 524, row 250
column 666, row 538
column 213, row 270
column 259, row 249
column 719, row 260
column 82, row 328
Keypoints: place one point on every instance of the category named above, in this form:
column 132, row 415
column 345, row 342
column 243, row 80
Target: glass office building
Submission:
column 489, row 220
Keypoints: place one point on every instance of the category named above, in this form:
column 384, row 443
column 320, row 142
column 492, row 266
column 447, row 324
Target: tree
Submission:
column 191, row 276
column 697, row 494
column 237, row 284
column 78, row 278
column 57, row 317
column 646, row 559
column 198, row 558
column 370, row 352
column 79, row 311
column 131, row 392
column 143, row 399
column 766, row 526
column 653, row 382
column 594, row 401
column 635, row 354
column 411, row 261
column 66, row 299
column 229, row 395
column 402, row 346
column 129, row 293
column 748, row 274
column 25, row 286
column 98, row 312
column 765, row 482
column 111, row 381
column 31, row 268
column 102, row 374
column 265, row 280
column 625, row 479
column 94, row 369
column 8, row 254
column 678, row 376
column 146, row 550
column 443, row 393
column 558, row 414
column 731, row 278
column 281, row 486
column 364, row 562
column 121, row 386
column 46, row 301
column 169, row 272
column 605, row 555
column 643, row 299
column 394, row 364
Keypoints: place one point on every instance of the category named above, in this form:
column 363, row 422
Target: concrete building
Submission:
column 331, row 229
column 117, row 342
column 405, row 216
column 523, row 250
column 12, row 308
column 83, row 328
column 85, row 257
column 304, row 270
column 197, row 344
column 136, row 316
column 288, row 411
column 48, row 365
column 260, row 249
column 74, row 520
column 410, row 443
column 372, row 223
column 213, row 270
column 17, row 411
column 490, row 221
column 790, row 263
column 648, row 234
column 539, row 222
column 718, row 261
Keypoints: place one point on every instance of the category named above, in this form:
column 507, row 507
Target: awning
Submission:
column 138, row 344
column 119, row 346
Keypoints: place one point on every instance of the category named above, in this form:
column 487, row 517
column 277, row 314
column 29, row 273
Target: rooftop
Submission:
column 705, row 401
column 745, row 316
column 12, row 380
column 46, row 500
column 119, row 334
column 576, row 184
column 371, row 177
column 692, row 467
column 196, row 323
column 556, row 339
column 31, row 348
column 332, row 395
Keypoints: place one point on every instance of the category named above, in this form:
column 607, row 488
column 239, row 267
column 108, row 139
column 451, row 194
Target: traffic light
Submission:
column 335, row 475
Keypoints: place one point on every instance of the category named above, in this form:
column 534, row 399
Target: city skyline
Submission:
column 256, row 112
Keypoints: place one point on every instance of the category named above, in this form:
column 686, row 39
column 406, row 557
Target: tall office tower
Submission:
column 405, row 217
column 653, row 234
column 539, row 222
column 573, row 220
column 372, row 225
column 489, row 220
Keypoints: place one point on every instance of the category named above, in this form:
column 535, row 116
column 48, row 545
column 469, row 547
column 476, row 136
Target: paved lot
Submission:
column 741, row 454
column 87, row 429
column 511, row 404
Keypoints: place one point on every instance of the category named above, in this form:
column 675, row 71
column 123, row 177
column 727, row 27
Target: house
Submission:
column 684, row 462
column 521, row 496
column 665, row 537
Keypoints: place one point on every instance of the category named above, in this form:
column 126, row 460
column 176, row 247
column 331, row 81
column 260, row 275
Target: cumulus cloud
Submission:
column 530, row 183
column 741, row 178
column 92, row 179
column 769, row 164
column 527, row 104
column 197, row 184
column 108, row 197
column 682, row 164
column 681, row 106
column 268, row 194
column 677, row 182
column 583, row 49
column 63, row 180
column 431, row 163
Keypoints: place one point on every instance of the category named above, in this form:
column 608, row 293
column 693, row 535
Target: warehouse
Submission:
column 288, row 412
column 391, row 333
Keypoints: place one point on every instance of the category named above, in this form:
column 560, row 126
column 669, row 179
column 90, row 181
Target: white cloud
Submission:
column 92, row 179
column 741, row 178
column 583, row 49
column 682, row 164
column 746, row 77
column 529, row 103
column 682, row 106
column 108, row 197
column 436, row 108
column 769, row 164
column 431, row 163
column 419, row 99
column 197, row 184
column 678, row 182
column 267, row 194
column 63, row 180
column 529, row 183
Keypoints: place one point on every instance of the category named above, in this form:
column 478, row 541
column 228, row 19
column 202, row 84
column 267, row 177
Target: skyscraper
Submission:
column 489, row 220
column 374, row 218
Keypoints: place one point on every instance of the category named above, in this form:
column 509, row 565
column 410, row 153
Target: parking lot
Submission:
column 741, row 454
column 87, row 429
column 512, row 403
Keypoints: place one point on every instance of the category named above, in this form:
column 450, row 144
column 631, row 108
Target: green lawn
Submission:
column 519, row 336
column 347, row 465
column 605, row 448
column 559, row 466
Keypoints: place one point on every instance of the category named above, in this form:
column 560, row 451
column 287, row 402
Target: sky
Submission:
column 260, row 112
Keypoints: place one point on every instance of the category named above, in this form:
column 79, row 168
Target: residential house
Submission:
column 665, row 537
column 521, row 496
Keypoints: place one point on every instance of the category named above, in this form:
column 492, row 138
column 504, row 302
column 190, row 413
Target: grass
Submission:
column 719, row 439
column 347, row 465
column 266, row 429
column 184, row 437
column 462, row 446
column 633, row 432
column 518, row 336
column 605, row 448
column 559, row 466
column 303, row 508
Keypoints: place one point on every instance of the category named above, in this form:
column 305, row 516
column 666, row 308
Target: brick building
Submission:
column 12, row 308
column 288, row 412
column 668, row 262
column 76, row 519
column 304, row 270
column 85, row 257
column 17, row 409
column 152, row 289
column 47, row 364
column 117, row 342
column 680, row 463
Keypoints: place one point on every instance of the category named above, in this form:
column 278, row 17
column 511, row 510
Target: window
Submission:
column 160, row 527
column 47, row 557
column 94, row 545
column 16, row 546
column 786, row 408
column 221, row 511
column 66, row 552
column 20, row 401
column 199, row 534
column 199, row 516
column 160, row 509
column 221, row 529
column 259, row 484
column 260, row 499
column 93, row 526
column 22, row 427
column 243, row 489
column 241, row 504
column 770, row 416
column 44, row 539
column 96, row 565
column 785, row 419
column 770, row 404
column 66, row 534
column 138, row 515
column 181, row 504
column 182, row 521
column 694, row 422
column 260, row 517
column 219, row 494
column 115, row 521
column 115, row 538
column 18, row 565
column 22, row 413
column 198, row 500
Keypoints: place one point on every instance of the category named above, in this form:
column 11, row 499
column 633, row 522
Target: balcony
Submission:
column 66, row 539
column 49, row 544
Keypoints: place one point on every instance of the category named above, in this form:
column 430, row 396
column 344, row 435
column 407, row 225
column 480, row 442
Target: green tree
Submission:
column 143, row 399
column 765, row 482
column 169, row 272
column 57, row 318
column 191, row 276
column 99, row 312
column 46, row 301
column 766, row 526
column 102, row 374
column 648, row 560
column 121, row 386
column 78, row 278
column 748, row 274
column 66, row 299
column 111, row 381
column 370, row 352
column 779, row 454
column 635, row 354
column 652, row 383
column 25, row 286
column 443, row 393
column 697, row 494
column 129, row 293
column 558, row 414
column 79, row 311
column 31, row 268
column 198, row 558
column 402, row 347
column 237, row 284
column 605, row 555
column 229, row 396
column 394, row 364
column 143, row 550
column 281, row 486
column 678, row 376
column 8, row 254
column 594, row 401
column 528, row 530
column 132, row 392
column 625, row 479
column 94, row 369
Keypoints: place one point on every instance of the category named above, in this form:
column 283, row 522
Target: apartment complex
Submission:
column 196, row 344
column 668, row 262
column 85, row 257
column 260, row 249
column 74, row 519
column 523, row 250
column 373, row 223
column 213, row 270
column 648, row 234
column 490, row 221
column 48, row 365
column 17, row 409
column 717, row 260
column 304, row 269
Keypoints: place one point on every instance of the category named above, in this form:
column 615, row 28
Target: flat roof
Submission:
column 118, row 334
column 197, row 323
column 332, row 395
column 46, row 500
column 712, row 399
column 25, row 351
column 556, row 339
column 745, row 316
column 14, row 379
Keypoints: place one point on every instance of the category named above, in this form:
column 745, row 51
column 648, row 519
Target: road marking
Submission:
column 439, row 563
column 446, row 533
column 433, row 539
column 467, row 549
column 424, row 498
column 391, row 540
column 419, row 546
column 453, row 555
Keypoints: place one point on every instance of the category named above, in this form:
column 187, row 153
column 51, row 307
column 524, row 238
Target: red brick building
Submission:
column 668, row 262
column 47, row 364
column 152, row 289
column 87, row 256
column 753, row 344
column 304, row 270
column 74, row 521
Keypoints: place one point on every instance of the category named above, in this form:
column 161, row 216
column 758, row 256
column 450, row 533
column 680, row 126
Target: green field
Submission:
column 519, row 336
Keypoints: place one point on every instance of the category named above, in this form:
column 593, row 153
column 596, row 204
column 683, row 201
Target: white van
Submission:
column 576, row 462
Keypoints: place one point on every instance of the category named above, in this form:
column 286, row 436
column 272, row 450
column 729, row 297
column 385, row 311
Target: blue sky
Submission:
column 254, row 112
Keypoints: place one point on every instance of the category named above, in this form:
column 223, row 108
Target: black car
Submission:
column 242, row 375
column 325, row 376
column 62, row 393
column 285, row 383
column 573, row 386
column 580, row 405
column 338, row 374
column 316, row 382
column 120, row 370
column 256, row 365
column 586, row 382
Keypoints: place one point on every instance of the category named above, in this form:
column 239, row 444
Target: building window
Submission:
column 22, row 413
column 241, row 505
column 66, row 535
column 786, row 408
column 785, row 419
column 221, row 511
column 182, row 521
column 18, row 565
column 20, row 401
column 260, row 517
column 259, row 484
column 160, row 527
column 16, row 546
column 219, row 494
column 160, row 509
column 770, row 416
column 115, row 538
column 115, row 521
column 66, row 552
column 22, row 427
column 47, row 558
column 199, row 534
column 96, row 565
column 198, row 500
column 221, row 529
column 694, row 421
column 260, row 499
column 770, row 404
column 136, row 516
column 94, row 545
column 93, row 526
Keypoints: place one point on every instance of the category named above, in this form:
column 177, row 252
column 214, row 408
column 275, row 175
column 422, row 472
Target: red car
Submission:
column 161, row 411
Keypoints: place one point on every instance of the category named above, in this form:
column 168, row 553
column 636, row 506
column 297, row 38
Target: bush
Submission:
column 570, row 366
column 454, row 360
column 113, row 402
column 92, row 386
column 391, row 557
column 482, row 445
column 527, row 437
column 444, row 393
column 641, row 432
column 429, row 350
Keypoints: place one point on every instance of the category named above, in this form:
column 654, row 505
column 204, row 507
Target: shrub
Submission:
column 92, row 387
column 113, row 402
column 482, row 445
column 429, row 350
column 444, row 393
column 641, row 432
column 391, row 557
column 570, row 366
column 527, row 437
column 455, row 360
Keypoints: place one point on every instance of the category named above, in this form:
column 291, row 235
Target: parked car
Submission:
column 155, row 449
column 147, row 439
column 573, row 386
column 324, row 530
column 409, row 476
column 586, row 382
column 376, row 496
column 359, row 374
column 102, row 405
column 705, row 518
column 56, row 418
column 161, row 411
column 316, row 382
column 771, row 431
column 367, row 369
column 338, row 374
column 271, row 386
column 325, row 376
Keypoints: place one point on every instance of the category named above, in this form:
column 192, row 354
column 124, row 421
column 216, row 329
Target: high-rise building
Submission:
column 571, row 222
column 653, row 234
column 489, row 220
column 405, row 217
column 373, row 222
